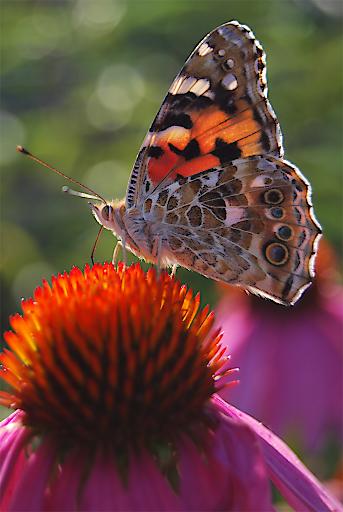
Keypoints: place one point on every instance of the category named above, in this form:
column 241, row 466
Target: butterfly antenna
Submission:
column 96, row 243
column 20, row 149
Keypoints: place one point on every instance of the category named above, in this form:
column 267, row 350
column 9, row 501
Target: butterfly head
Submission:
column 110, row 215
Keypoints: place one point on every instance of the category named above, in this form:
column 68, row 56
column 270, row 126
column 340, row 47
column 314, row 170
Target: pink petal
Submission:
column 64, row 488
column 233, row 476
column 24, row 477
column 295, row 482
column 12, row 439
column 287, row 357
column 146, row 488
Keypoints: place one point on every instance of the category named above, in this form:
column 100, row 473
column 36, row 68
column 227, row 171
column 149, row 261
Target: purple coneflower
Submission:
column 113, row 375
column 290, row 359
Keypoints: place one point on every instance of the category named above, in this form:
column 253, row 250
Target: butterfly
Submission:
column 210, row 190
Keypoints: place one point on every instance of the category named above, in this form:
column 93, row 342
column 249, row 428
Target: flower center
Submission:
column 112, row 357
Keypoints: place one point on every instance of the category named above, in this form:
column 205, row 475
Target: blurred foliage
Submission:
column 81, row 83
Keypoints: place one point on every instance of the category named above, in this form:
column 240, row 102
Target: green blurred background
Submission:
column 81, row 83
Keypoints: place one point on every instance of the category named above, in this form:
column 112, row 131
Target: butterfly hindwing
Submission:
column 248, row 223
column 216, row 111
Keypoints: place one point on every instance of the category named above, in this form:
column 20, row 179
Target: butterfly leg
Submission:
column 173, row 271
column 117, row 248
column 119, row 245
column 156, row 252
column 123, row 244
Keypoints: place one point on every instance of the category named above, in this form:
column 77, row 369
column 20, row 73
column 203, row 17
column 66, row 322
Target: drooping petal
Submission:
column 296, row 483
column 234, row 468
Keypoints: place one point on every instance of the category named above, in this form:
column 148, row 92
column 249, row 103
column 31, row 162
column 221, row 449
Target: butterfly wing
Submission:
column 210, row 180
column 216, row 110
column 249, row 223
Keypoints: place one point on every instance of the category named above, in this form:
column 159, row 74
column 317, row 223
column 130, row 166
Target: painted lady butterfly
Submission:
column 210, row 190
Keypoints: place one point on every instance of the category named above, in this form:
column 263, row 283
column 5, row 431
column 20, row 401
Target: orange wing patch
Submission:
column 197, row 165
column 214, row 139
column 241, row 128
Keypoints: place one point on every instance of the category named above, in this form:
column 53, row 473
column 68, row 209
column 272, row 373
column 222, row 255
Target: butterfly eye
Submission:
column 107, row 212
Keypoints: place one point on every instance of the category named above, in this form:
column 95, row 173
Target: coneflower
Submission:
column 113, row 374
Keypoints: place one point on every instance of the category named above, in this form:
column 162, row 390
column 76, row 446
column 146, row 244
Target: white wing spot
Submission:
column 200, row 87
column 183, row 84
column 174, row 88
column 187, row 85
column 204, row 49
column 230, row 82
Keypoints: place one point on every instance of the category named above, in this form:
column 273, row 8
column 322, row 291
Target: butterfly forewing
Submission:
column 216, row 111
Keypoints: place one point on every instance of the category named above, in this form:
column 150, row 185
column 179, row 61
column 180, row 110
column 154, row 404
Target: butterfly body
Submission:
column 210, row 189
